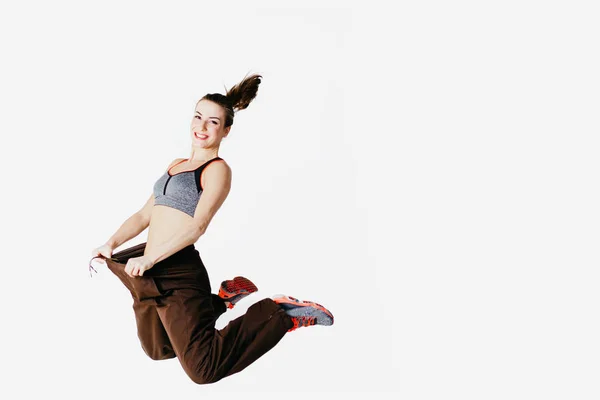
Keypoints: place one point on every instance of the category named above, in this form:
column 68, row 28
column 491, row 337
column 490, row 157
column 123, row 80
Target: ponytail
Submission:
column 243, row 93
column 237, row 98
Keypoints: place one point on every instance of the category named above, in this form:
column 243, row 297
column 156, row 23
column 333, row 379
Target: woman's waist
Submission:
column 164, row 222
column 182, row 270
column 186, row 255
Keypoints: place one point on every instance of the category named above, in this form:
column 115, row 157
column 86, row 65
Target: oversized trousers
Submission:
column 175, row 313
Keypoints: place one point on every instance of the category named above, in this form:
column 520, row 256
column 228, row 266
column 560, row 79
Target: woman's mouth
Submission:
column 200, row 136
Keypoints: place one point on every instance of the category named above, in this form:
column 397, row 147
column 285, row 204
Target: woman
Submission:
column 174, row 309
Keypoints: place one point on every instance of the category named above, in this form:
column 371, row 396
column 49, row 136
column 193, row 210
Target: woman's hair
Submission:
column 237, row 98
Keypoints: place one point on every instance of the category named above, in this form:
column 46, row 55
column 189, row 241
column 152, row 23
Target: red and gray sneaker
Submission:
column 236, row 289
column 303, row 313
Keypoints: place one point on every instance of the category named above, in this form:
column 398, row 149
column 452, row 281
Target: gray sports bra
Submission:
column 182, row 190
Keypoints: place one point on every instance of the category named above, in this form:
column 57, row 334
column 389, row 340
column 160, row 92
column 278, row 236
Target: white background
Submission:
column 429, row 173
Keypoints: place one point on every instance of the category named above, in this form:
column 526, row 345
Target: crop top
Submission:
column 180, row 191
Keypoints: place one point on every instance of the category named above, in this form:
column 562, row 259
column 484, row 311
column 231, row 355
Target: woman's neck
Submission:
column 202, row 155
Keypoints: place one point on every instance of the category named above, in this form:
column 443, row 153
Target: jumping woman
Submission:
column 174, row 307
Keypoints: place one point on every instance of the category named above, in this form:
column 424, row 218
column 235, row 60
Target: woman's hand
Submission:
column 105, row 250
column 138, row 265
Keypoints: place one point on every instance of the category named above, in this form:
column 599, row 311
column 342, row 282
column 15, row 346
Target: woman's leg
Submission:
column 150, row 330
column 188, row 314
column 152, row 334
column 208, row 355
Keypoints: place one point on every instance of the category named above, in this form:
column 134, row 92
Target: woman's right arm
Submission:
column 133, row 226
column 139, row 221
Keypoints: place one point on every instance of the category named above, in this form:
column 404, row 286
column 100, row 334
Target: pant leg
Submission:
column 188, row 315
column 151, row 332
column 247, row 338
column 218, row 304
column 152, row 335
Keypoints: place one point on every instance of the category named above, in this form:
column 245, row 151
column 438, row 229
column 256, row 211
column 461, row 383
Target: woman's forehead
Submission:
column 208, row 106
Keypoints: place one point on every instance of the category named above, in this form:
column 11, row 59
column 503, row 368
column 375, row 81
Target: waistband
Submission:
column 138, row 250
column 186, row 254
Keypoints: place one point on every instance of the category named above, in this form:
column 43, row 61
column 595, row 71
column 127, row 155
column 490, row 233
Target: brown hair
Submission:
column 237, row 98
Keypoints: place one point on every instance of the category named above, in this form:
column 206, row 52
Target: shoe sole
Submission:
column 236, row 289
column 298, row 308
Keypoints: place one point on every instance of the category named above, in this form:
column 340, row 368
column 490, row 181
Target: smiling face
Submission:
column 208, row 125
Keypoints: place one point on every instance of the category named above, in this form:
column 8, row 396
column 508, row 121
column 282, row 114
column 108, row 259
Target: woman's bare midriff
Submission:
column 163, row 223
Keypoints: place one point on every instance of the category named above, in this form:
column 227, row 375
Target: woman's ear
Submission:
column 227, row 130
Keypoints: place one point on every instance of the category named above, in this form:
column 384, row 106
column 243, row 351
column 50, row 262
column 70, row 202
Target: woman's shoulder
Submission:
column 218, row 166
column 176, row 161
column 221, row 165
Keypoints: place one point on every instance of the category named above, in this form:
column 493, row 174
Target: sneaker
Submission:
column 303, row 313
column 236, row 289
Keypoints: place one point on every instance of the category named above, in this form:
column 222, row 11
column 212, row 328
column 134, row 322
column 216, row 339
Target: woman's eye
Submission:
column 197, row 116
column 214, row 122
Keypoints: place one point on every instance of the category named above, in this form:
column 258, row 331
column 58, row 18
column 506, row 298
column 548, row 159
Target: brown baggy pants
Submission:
column 176, row 312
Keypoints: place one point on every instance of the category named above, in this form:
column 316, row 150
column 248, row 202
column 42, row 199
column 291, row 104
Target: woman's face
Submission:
column 208, row 123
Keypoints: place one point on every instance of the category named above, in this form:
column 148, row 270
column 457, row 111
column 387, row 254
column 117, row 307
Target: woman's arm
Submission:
column 139, row 221
column 133, row 226
column 217, row 183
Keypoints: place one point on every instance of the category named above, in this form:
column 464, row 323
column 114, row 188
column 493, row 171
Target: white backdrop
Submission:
column 429, row 173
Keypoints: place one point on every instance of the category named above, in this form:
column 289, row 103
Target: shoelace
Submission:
column 302, row 321
column 90, row 268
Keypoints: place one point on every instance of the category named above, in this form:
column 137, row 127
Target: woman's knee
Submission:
column 157, row 355
column 202, row 378
column 200, row 374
